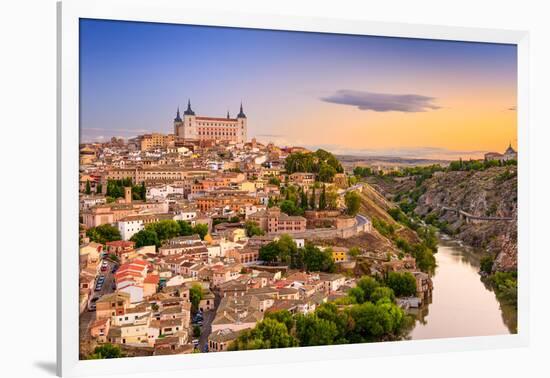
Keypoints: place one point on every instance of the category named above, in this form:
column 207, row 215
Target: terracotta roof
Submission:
column 152, row 279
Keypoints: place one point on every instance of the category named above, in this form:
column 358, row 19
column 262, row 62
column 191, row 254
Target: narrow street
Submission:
column 87, row 317
column 206, row 329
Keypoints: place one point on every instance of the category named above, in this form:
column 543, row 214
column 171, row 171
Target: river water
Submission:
column 461, row 304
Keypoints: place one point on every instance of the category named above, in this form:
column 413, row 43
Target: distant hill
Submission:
column 353, row 160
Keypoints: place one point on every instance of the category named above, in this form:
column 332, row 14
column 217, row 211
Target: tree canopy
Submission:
column 157, row 232
column 106, row 351
column 285, row 251
column 253, row 229
column 321, row 162
column 375, row 318
column 103, row 233
column 403, row 284
column 195, row 296
column 353, row 203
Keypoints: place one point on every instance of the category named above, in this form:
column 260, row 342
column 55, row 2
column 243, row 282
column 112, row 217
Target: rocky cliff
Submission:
column 490, row 194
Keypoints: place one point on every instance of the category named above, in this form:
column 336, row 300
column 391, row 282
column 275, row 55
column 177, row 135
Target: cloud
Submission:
column 383, row 102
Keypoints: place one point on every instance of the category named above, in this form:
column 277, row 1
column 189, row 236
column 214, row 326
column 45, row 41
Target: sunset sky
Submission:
column 349, row 94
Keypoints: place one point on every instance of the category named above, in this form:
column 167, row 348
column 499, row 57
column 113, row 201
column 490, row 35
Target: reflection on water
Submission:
column 461, row 304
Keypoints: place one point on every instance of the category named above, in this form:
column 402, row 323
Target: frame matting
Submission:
column 171, row 11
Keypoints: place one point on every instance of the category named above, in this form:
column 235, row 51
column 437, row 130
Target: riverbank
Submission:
column 461, row 304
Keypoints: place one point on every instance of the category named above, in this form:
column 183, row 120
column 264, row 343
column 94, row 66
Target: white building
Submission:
column 130, row 226
column 163, row 191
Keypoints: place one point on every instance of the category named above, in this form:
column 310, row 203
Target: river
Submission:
column 461, row 304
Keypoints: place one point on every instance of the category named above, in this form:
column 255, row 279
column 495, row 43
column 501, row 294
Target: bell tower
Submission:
column 178, row 123
column 242, row 132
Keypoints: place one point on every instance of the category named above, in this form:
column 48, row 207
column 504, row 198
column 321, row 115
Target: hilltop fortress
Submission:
column 201, row 128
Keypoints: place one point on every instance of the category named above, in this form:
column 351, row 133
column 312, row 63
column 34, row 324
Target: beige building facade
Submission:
column 200, row 128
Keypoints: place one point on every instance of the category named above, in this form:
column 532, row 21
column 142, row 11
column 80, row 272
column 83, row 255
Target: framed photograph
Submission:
column 249, row 188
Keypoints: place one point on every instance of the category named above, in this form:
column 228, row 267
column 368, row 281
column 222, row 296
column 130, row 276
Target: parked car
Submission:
column 92, row 305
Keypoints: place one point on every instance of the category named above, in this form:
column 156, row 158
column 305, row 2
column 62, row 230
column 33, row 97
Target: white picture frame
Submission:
column 171, row 11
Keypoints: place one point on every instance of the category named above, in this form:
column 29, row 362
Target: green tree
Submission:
column 195, row 296
column 382, row 293
column 201, row 229
column 253, row 229
column 146, row 237
column 287, row 248
column 268, row 334
column 196, row 331
column 312, row 330
column 103, row 233
column 425, row 259
column 403, row 284
column 357, row 294
column 165, row 229
column 274, row 181
column 486, row 264
column 185, row 228
column 289, row 207
column 312, row 199
column 354, row 252
column 303, row 200
column 282, row 316
column 106, row 351
column 316, row 260
column 368, row 285
column 353, row 203
column 326, row 172
column 506, row 287
column 372, row 322
column 332, row 198
column 88, row 187
column 323, row 199
column 269, row 252
column 98, row 188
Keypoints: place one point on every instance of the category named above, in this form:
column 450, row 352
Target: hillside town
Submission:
column 190, row 239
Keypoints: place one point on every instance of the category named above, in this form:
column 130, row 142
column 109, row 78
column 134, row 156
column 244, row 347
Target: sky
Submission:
column 350, row 94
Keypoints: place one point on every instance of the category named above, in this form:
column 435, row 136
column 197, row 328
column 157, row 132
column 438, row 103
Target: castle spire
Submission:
column 241, row 113
column 189, row 111
column 178, row 117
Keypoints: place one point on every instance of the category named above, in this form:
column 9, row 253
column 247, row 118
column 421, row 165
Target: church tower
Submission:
column 178, row 123
column 241, row 118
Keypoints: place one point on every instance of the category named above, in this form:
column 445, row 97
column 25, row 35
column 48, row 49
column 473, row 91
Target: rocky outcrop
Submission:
column 490, row 193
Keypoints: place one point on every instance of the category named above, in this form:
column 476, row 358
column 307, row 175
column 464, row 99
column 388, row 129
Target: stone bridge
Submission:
column 470, row 218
